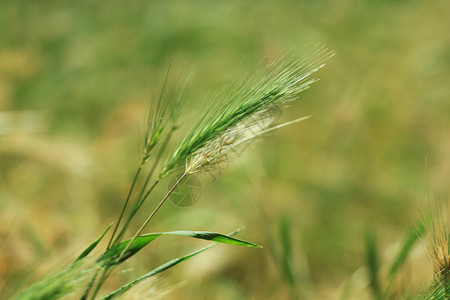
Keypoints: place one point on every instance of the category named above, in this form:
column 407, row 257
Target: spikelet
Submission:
column 438, row 241
column 164, row 109
column 230, row 143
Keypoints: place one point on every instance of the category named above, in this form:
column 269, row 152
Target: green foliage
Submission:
column 94, row 244
column 122, row 251
column 58, row 285
column 286, row 246
column 156, row 271
column 373, row 262
column 218, row 238
column 414, row 234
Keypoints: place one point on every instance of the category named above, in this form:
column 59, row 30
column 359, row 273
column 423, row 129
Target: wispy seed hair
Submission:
column 229, row 118
column 438, row 239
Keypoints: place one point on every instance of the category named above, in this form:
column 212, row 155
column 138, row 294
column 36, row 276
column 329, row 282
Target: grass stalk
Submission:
column 134, row 211
column 141, row 197
column 154, row 212
column 136, row 176
column 90, row 285
column 103, row 278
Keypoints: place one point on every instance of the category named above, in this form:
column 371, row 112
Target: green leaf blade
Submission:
column 170, row 263
column 413, row 236
column 116, row 255
column 153, row 272
column 215, row 237
column 373, row 265
column 91, row 247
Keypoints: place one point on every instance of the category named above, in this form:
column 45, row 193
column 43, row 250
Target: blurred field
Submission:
column 75, row 83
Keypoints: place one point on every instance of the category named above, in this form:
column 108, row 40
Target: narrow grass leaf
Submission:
column 413, row 235
column 93, row 245
column 286, row 244
column 114, row 255
column 373, row 262
column 215, row 237
column 155, row 271
column 166, row 266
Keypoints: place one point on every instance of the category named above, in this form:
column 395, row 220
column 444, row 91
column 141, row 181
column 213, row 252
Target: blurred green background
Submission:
column 77, row 77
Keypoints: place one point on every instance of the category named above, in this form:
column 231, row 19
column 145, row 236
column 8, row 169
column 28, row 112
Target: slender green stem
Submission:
column 144, row 188
column 106, row 273
column 153, row 213
column 138, row 205
column 133, row 212
column 90, row 285
column 125, row 205
column 139, row 201
column 104, row 276
column 141, row 197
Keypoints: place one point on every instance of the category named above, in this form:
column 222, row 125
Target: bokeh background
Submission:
column 77, row 78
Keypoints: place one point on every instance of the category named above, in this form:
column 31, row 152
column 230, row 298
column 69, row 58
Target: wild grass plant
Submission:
column 237, row 115
column 437, row 226
column 433, row 228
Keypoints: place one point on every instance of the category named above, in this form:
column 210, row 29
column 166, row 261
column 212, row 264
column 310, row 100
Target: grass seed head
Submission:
column 438, row 240
column 164, row 109
column 241, row 112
